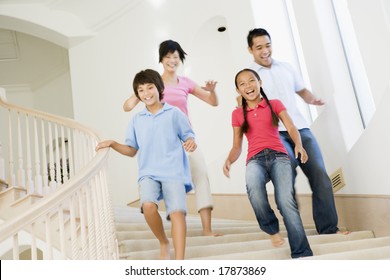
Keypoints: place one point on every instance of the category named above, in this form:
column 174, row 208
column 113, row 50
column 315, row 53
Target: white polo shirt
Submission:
column 282, row 82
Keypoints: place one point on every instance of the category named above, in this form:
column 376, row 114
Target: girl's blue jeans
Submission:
column 270, row 165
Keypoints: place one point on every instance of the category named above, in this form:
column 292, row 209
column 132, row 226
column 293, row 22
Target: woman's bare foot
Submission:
column 210, row 233
column 165, row 252
column 277, row 240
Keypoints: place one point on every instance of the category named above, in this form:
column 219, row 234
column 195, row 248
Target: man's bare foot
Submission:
column 210, row 233
column 345, row 232
column 277, row 240
column 164, row 252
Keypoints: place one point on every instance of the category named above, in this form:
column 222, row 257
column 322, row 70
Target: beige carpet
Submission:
column 241, row 240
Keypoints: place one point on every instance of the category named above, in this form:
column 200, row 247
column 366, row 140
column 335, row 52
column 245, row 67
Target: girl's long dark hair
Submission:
column 245, row 124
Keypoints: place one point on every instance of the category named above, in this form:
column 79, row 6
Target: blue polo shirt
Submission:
column 159, row 140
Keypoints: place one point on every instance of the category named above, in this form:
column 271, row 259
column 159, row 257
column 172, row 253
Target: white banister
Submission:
column 72, row 217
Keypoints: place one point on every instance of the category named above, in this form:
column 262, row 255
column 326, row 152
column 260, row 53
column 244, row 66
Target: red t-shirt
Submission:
column 261, row 134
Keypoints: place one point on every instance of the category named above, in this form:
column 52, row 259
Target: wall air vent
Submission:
column 337, row 179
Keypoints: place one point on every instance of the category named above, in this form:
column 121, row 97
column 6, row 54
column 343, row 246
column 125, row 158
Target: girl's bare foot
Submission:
column 277, row 240
column 164, row 252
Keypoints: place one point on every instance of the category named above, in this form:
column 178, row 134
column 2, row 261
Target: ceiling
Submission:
column 93, row 13
column 28, row 57
column 28, row 62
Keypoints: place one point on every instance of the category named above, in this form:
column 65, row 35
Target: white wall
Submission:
column 367, row 161
column 55, row 97
column 365, row 158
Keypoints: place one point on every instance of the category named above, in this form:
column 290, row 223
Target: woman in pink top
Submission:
column 267, row 160
column 176, row 92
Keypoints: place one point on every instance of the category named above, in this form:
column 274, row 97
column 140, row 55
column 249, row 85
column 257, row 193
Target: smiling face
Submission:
column 148, row 94
column 171, row 61
column 248, row 86
column 261, row 50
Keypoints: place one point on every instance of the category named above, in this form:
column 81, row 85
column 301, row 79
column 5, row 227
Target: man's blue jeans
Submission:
column 324, row 209
column 275, row 166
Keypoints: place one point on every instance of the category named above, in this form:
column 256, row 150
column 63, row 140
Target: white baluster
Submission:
column 57, row 156
column 38, row 176
column 11, row 165
column 64, row 162
column 20, row 174
column 70, row 154
column 53, row 183
column 29, row 182
column 45, row 172
column 2, row 164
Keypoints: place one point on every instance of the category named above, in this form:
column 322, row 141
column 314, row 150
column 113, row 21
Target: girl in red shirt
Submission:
column 267, row 160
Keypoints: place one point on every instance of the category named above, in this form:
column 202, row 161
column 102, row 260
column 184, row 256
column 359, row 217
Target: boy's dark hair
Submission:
column 170, row 46
column 256, row 33
column 148, row 76
column 245, row 125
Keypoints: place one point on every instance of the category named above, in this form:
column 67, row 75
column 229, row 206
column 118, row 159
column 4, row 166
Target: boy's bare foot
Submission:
column 277, row 240
column 346, row 232
column 164, row 252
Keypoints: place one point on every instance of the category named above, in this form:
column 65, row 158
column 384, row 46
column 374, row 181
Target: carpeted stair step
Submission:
column 242, row 240
column 378, row 253
column 152, row 244
column 351, row 246
column 190, row 225
column 318, row 250
column 147, row 234
column 257, row 242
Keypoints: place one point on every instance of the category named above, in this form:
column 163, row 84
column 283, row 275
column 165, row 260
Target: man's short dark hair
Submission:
column 256, row 33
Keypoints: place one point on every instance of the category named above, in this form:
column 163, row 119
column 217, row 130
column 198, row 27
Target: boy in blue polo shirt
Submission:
column 159, row 135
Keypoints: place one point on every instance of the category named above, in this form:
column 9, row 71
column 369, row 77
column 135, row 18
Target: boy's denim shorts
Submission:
column 173, row 194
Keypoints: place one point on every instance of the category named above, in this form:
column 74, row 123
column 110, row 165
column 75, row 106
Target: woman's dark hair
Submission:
column 148, row 76
column 256, row 33
column 170, row 46
column 245, row 124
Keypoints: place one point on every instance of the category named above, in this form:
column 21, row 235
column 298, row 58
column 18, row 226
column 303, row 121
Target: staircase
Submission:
column 54, row 198
column 241, row 240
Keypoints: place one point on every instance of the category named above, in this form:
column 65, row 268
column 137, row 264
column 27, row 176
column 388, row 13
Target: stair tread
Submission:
column 193, row 243
column 345, row 247
column 208, row 250
column 147, row 234
column 195, row 225
column 377, row 253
